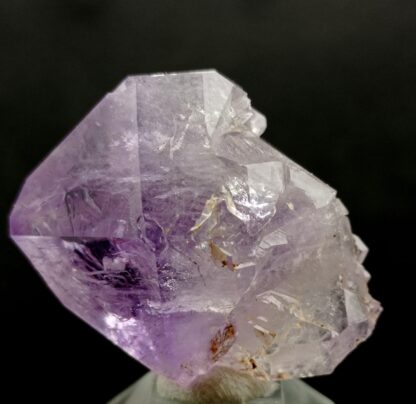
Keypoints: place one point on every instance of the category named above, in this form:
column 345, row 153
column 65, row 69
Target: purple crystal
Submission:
column 165, row 222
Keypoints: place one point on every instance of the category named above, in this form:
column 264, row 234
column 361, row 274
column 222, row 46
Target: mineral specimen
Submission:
column 166, row 223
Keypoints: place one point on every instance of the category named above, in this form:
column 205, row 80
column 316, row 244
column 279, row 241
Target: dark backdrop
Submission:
column 336, row 79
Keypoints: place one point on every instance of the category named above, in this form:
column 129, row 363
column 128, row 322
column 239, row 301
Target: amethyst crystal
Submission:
column 166, row 223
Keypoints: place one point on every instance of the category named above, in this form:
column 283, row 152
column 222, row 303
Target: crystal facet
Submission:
column 166, row 222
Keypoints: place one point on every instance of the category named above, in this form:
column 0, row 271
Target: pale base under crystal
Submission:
column 145, row 391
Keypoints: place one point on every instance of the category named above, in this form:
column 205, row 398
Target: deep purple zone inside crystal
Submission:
column 128, row 278
column 90, row 256
column 166, row 223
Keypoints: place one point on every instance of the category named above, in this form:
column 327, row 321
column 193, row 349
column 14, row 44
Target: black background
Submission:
column 337, row 81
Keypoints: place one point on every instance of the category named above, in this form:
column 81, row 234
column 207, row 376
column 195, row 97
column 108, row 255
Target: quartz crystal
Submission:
column 165, row 222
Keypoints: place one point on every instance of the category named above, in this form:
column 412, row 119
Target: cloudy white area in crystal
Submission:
column 166, row 222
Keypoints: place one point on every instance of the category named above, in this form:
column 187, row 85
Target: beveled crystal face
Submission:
column 165, row 222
